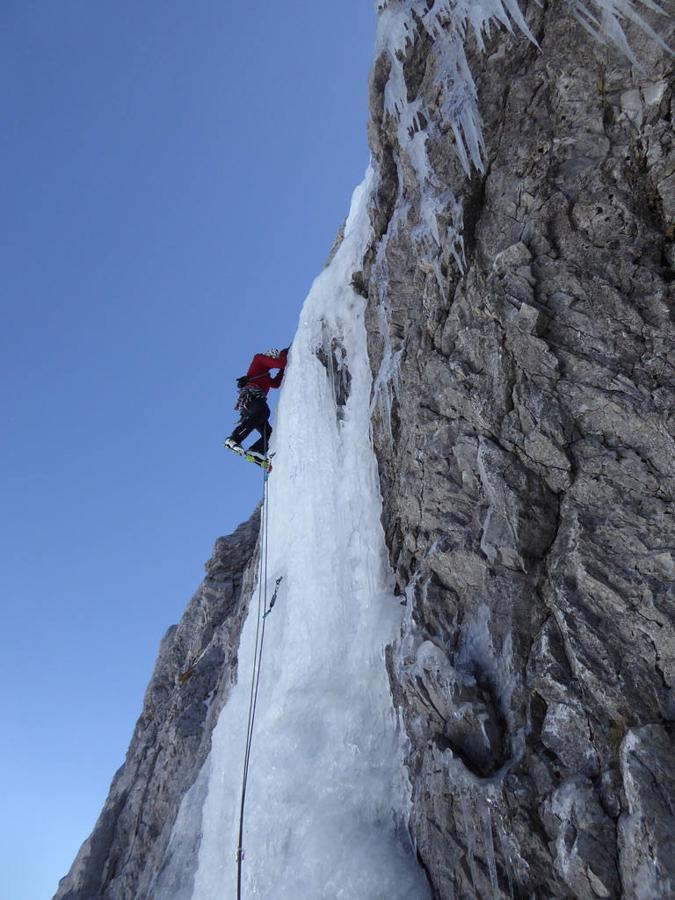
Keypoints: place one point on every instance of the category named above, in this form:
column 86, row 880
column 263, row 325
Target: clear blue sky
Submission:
column 173, row 175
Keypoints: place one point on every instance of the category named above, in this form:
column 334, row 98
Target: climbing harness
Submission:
column 263, row 611
column 246, row 396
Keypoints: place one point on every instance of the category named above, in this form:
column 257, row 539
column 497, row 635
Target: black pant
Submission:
column 255, row 416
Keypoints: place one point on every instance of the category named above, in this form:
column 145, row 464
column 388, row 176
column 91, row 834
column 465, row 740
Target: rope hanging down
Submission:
column 263, row 611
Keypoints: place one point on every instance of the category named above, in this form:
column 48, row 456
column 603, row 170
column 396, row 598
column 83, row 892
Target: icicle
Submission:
column 605, row 25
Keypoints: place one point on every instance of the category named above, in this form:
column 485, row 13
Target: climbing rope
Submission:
column 263, row 611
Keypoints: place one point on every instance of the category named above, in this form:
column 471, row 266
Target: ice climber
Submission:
column 252, row 401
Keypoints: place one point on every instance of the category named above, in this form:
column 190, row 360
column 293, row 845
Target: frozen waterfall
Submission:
column 327, row 795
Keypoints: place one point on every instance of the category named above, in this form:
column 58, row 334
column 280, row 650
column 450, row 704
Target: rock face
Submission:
column 524, row 435
column 193, row 674
column 521, row 343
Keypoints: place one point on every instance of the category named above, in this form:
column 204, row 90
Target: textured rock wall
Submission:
column 195, row 668
column 524, row 433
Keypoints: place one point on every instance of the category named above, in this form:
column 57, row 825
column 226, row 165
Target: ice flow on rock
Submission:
column 326, row 791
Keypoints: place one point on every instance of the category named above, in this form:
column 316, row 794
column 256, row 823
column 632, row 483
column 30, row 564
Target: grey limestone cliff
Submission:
column 519, row 307
column 195, row 668
column 527, row 459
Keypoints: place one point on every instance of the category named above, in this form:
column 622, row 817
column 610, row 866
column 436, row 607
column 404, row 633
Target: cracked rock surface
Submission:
column 527, row 462
column 195, row 669
column 524, row 373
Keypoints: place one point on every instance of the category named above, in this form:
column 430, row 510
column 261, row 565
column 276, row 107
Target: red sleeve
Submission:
column 281, row 363
column 262, row 363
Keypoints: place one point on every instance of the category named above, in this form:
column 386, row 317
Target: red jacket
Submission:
column 258, row 372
